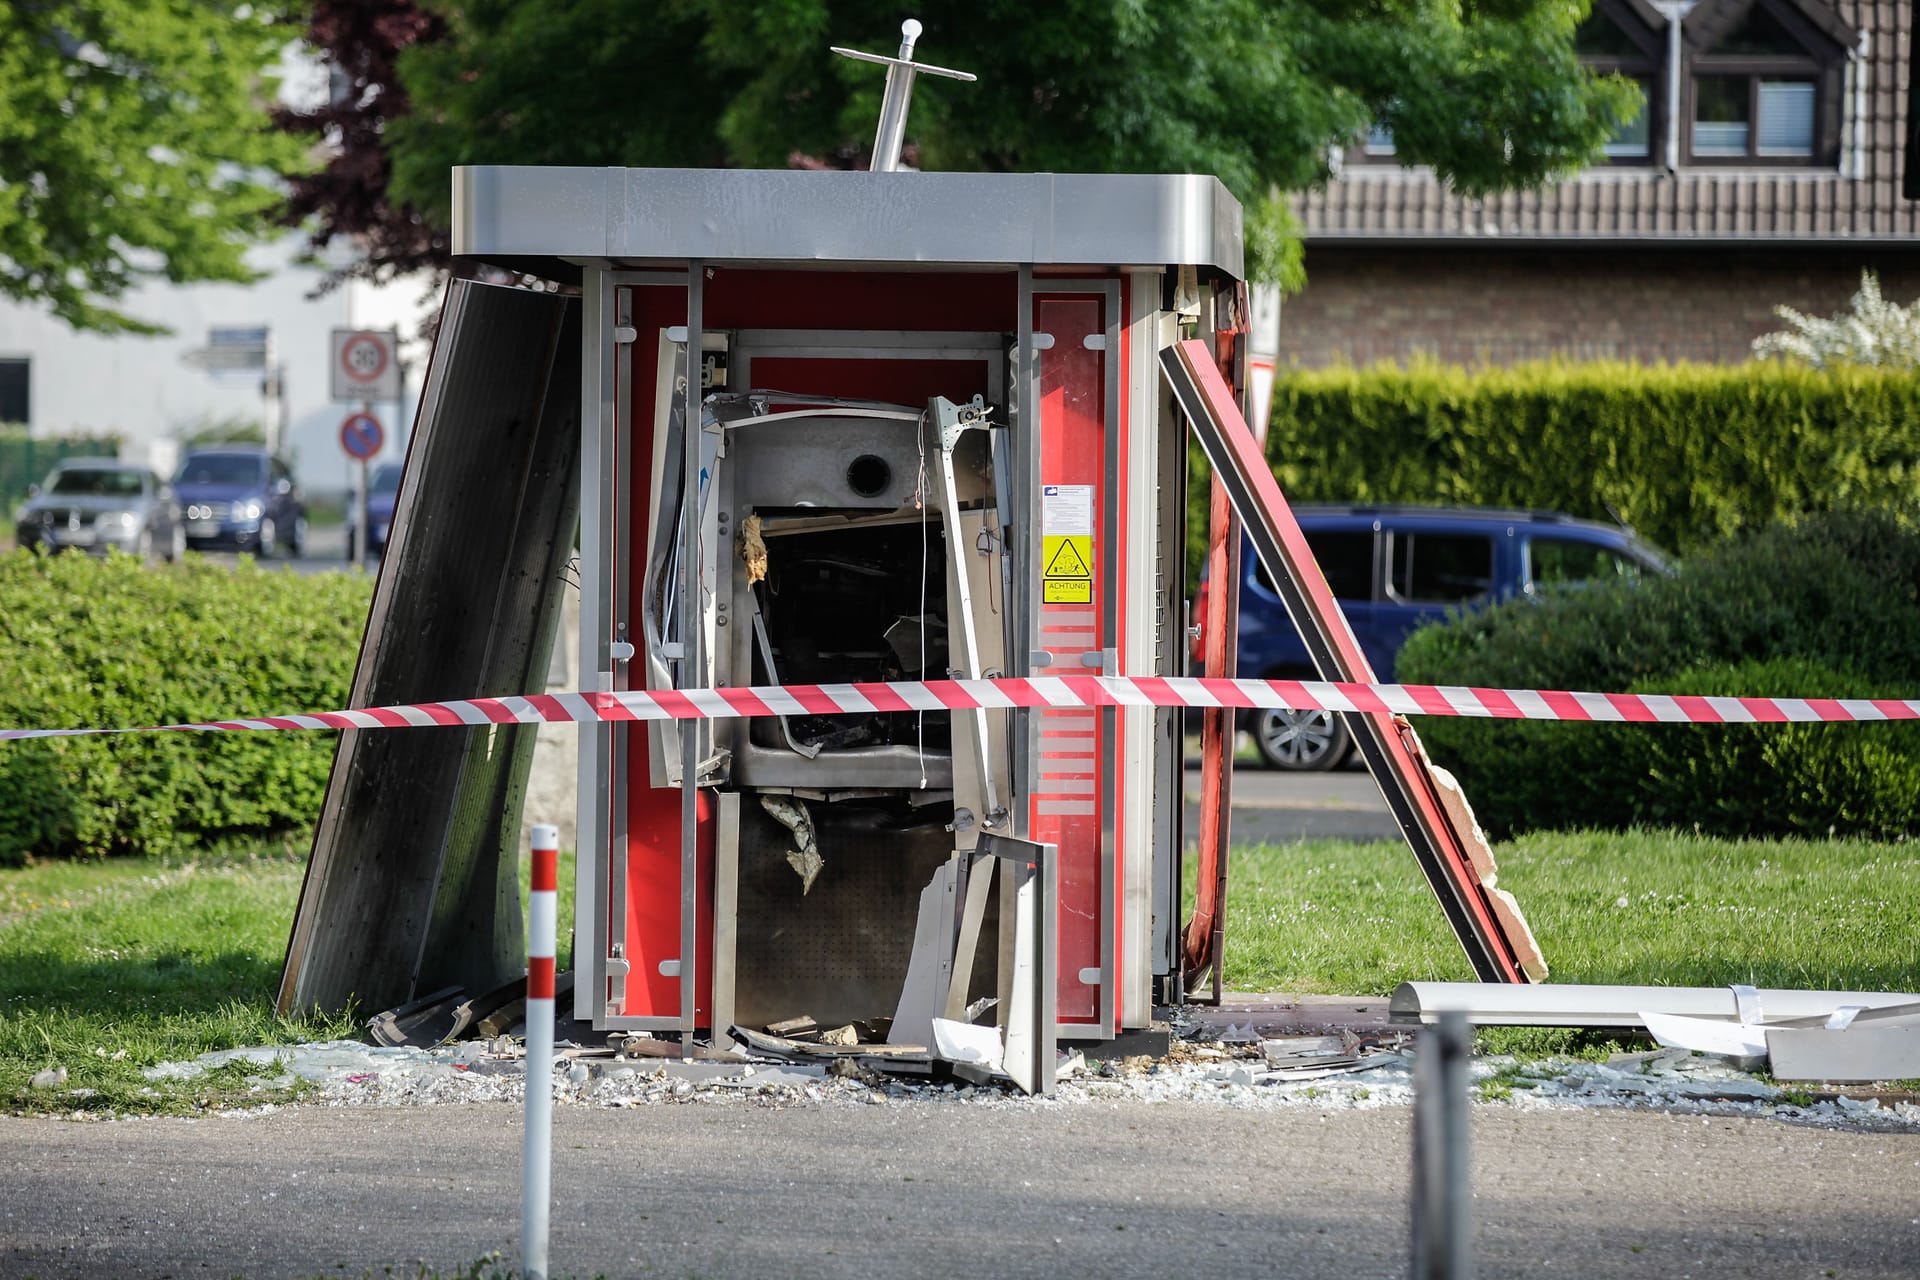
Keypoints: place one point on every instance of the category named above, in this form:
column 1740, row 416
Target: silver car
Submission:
column 94, row 504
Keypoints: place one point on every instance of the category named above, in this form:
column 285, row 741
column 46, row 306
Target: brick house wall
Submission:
column 1473, row 305
column 1648, row 258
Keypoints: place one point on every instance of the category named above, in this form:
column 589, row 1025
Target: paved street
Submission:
column 1272, row 806
column 948, row 1189
column 326, row 551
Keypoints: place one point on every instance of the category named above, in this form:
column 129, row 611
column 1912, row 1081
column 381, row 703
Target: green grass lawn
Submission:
column 1633, row 907
column 107, row 968
column 110, row 967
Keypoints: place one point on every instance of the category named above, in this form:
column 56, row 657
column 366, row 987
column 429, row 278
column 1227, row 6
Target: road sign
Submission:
column 364, row 367
column 361, row 435
column 230, row 349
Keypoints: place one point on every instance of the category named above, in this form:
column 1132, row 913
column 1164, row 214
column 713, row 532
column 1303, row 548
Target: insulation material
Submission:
column 753, row 549
column 1506, row 908
column 804, row 857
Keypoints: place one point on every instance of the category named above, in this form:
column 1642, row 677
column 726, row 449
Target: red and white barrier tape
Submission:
column 1060, row 691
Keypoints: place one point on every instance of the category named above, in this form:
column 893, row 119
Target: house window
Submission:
column 1722, row 116
column 1765, row 86
column 1633, row 139
column 15, row 407
column 1613, row 40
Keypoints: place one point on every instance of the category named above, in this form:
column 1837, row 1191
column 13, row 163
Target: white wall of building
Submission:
column 146, row 390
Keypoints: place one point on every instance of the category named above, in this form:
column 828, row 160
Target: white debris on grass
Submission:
column 349, row 1074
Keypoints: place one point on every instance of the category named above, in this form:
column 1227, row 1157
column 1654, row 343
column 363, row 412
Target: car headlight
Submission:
column 249, row 510
column 118, row 520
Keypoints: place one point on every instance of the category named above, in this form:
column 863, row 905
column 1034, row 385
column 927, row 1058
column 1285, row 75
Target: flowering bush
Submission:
column 1876, row 332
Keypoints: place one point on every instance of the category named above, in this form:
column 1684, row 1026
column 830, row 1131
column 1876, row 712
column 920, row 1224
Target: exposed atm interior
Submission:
column 868, row 508
column 831, row 429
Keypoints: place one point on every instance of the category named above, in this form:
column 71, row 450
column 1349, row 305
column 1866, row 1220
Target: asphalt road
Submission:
column 1272, row 806
column 326, row 551
column 948, row 1190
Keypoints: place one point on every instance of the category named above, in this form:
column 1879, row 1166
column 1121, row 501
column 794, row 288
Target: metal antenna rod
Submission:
column 901, row 68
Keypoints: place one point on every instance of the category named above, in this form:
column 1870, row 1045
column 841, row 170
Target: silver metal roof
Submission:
column 780, row 216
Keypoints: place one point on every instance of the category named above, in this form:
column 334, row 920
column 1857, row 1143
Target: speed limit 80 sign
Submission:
column 364, row 365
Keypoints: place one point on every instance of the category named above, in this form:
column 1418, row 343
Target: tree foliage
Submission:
column 135, row 144
column 1489, row 93
column 1874, row 332
column 348, row 194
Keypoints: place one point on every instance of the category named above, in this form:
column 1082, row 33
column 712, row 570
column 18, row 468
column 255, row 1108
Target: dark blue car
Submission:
column 1394, row 569
column 383, row 486
column 241, row 499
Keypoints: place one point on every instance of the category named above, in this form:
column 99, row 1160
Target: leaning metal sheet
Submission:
column 412, row 877
column 730, row 216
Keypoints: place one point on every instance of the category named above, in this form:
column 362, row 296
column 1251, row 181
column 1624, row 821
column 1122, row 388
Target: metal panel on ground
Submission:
column 412, row 883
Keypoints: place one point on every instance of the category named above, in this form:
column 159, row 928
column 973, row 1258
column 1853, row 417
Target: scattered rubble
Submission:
column 1327, row 1073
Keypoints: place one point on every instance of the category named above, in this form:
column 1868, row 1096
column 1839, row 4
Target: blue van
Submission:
column 1394, row 569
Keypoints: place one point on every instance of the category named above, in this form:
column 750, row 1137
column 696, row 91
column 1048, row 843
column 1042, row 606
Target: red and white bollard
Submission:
column 536, row 1163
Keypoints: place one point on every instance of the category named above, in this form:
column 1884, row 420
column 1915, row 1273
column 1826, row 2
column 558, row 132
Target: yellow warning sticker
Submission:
column 1067, row 591
column 1069, row 557
column 1067, row 576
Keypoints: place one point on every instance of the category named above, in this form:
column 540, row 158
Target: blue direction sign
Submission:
column 361, row 435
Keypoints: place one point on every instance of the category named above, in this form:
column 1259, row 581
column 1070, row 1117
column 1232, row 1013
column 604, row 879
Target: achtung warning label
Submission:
column 1067, row 573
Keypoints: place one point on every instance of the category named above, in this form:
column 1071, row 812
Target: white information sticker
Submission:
column 1066, row 510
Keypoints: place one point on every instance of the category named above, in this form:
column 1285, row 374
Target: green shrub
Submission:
column 1828, row 607
column 1687, row 454
column 25, row 459
column 93, row 643
column 1801, row 779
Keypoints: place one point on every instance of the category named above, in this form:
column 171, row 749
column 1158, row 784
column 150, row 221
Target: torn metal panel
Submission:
column 412, row 882
column 1031, row 1013
column 1578, row 1005
column 1857, row 1053
column 761, row 1042
column 1744, row 1042
column 923, row 996
column 964, row 1044
column 421, row 1023
column 1431, row 811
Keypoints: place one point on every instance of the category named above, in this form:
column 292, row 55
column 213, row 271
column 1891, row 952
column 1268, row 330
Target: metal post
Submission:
column 1441, row 1226
column 892, row 133
column 536, row 1160
column 1674, row 11
column 363, row 536
column 901, row 69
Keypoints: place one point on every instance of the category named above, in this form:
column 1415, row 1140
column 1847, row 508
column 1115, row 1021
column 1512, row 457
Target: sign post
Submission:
column 361, row 437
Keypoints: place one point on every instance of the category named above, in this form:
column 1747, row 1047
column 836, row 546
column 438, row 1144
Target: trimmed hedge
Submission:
column 116, row 643
column 1687, row 454
column 1828, row 607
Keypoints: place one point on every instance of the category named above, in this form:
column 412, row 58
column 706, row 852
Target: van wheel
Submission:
column 1304, row 741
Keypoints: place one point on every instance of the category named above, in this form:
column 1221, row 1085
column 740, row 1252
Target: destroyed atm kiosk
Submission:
column 846, row 427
